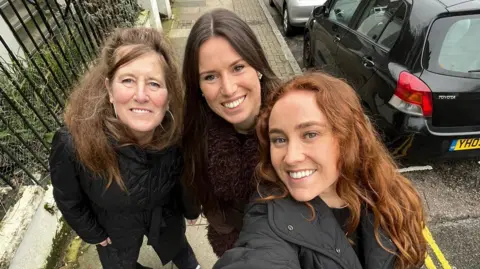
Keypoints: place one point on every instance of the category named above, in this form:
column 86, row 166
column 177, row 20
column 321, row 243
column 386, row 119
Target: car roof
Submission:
column 449, row 3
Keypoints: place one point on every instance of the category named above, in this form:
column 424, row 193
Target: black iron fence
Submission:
column 45, row 45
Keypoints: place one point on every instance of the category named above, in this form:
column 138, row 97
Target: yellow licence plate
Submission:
column 465, row 144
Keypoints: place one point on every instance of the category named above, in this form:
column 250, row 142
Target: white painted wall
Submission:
column 165, row 8
column 38, row 239
column 152, row 5
column 17, row 221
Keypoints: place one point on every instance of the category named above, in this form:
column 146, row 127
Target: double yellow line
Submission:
column 401, row 151
column 436, row 250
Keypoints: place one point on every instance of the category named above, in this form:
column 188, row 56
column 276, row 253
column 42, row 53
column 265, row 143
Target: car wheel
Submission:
column 287, row 27
column 307, row 51
column 272, row 4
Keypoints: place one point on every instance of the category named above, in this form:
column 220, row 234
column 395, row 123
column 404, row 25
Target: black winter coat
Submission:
column 153, row 205
column 278, row 235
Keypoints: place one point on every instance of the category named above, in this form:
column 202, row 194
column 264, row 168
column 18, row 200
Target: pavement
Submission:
column 196, row 235
column 254, row 12
column 185, row 13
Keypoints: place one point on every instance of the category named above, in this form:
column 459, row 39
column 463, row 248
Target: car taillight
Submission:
column 412, row 96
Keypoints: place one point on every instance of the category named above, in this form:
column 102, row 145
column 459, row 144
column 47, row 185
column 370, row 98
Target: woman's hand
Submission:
column 192, row 221
column 105, row 242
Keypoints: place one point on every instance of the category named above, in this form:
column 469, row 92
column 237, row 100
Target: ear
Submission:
column 109, row 89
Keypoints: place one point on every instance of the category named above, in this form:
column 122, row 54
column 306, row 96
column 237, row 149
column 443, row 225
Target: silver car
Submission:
column 295, row 12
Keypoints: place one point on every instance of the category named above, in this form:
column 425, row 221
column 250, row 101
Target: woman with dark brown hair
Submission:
column 330, row 196
column 227, row 77
column 116, row 166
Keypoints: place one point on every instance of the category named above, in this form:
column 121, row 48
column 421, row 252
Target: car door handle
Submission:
column 368, row 62
column 336, row 38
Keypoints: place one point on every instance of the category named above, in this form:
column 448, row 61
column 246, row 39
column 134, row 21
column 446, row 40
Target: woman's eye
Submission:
column 238, row 68
column 209, row 77
column 127, row 81
column 277, row 140
column 311, row 135
column 154, row 84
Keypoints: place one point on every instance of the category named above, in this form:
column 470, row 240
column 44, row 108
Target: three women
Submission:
column 324, row 173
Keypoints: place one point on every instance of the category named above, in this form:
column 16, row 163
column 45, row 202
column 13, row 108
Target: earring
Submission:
column 114, row 111
column 260, row 75
column 171, row 115
column 173, row 119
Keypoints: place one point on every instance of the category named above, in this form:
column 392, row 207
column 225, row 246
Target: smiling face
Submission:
column 229, row 84
column 304, row 152
column 139, row 95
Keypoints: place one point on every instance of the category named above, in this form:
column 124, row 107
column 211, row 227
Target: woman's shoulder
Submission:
column 63, row 139
column 62, row 146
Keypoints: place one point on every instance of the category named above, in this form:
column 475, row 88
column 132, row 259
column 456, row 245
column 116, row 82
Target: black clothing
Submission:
column 341, row 215
column 112, row 258
column 152, row 204
column 279, row 235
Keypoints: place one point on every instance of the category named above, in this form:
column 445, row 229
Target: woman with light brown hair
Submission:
column 330, row 194
column 116, row 166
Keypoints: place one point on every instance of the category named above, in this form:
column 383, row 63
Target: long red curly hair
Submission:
column 368, row 173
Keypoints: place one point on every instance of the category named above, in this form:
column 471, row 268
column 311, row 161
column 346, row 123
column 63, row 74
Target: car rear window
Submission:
column 453, row 46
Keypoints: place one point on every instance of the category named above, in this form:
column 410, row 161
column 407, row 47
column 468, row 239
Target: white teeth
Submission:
column 140, row 110
column 235, row 103
column 301, row 174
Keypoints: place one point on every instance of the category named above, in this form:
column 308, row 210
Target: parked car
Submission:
column 415, row 65
column 295, row 12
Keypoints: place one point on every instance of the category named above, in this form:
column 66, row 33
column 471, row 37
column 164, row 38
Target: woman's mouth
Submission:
column 234, row 103
column 140, row 110
column 301, row 174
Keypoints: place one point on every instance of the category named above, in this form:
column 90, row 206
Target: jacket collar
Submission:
column 136, row 153
column 291, row 220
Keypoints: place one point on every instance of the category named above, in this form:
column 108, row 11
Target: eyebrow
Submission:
column 148, row 77
column 302, row 125
column 211, row 71
column 310, row 124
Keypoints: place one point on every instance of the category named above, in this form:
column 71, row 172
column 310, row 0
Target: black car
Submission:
column 415, row 65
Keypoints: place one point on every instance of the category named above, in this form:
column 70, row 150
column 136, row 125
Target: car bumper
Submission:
column 421, row 147
column 300, row 11
column 416, row 139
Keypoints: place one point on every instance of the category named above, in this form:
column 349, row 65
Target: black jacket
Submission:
column 278, row 235
column 152, row 205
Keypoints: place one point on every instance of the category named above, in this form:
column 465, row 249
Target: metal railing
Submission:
column 44, row 47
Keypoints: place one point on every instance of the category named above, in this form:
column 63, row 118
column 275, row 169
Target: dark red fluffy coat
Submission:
column 232, row 158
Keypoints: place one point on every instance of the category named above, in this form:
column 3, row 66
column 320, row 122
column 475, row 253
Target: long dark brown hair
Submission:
column 368, row 174
column 89, row 115
column 197, row 114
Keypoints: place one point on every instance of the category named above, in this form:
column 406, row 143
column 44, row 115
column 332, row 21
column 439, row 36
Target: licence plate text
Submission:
column 465, row 144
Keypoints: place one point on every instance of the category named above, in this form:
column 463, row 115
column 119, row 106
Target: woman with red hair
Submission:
column 330, row 194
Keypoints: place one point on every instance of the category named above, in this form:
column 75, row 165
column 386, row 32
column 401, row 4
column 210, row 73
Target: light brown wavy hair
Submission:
column 89, row 115
column 368, row 174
